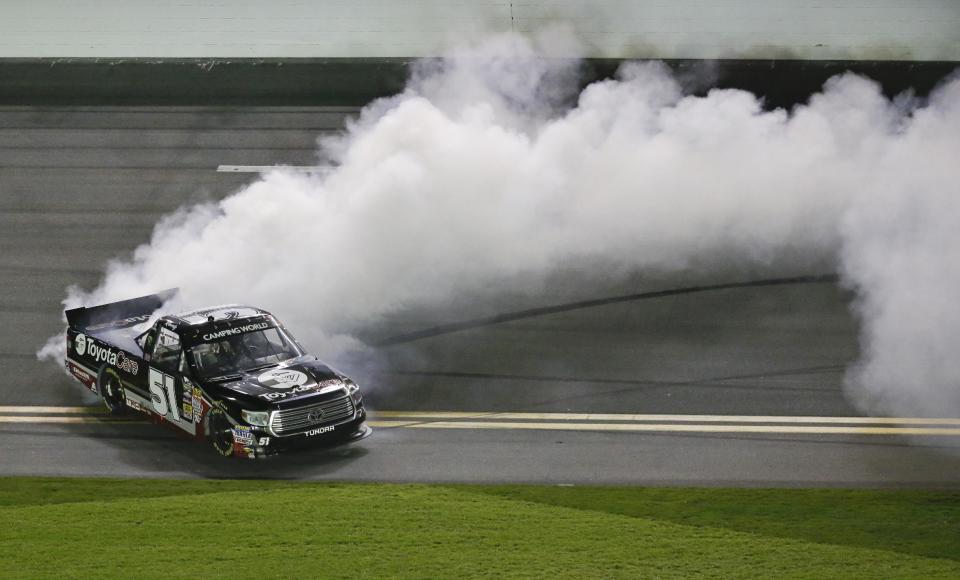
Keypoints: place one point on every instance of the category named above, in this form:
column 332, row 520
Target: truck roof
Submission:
column 217, row 313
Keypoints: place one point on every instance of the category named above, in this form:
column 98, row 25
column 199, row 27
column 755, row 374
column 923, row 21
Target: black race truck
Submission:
column 231, row 375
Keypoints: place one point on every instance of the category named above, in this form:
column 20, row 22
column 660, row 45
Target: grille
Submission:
column 304, row 418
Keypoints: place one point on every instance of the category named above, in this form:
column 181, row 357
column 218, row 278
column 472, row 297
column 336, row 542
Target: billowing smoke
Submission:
column 901, row 251
column 490, row 172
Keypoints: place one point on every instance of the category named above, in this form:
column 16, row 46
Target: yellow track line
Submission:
column 573, row 421
column 96, row 410
column 674, row 427
column 570, row 426
column 60, row 410
column 686, row 418
column 48, row 419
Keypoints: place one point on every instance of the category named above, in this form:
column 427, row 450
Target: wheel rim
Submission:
column 221, row 434
column 111, row 394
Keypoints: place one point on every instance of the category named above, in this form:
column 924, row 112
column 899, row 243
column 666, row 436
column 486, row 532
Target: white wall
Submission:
column 818, row 29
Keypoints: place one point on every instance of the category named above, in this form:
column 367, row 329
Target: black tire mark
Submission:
column 543, row 311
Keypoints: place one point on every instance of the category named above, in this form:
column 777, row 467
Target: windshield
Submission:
column 243, row 352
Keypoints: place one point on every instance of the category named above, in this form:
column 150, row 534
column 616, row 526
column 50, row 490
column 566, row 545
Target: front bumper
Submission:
column 257, row 442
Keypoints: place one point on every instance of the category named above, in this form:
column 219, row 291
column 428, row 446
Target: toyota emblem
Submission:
column 315, row 416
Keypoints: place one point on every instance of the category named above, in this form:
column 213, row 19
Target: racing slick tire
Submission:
column 111, row 391
column 219, row 432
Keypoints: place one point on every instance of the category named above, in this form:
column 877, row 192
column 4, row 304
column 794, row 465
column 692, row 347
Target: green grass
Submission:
column 84, row 528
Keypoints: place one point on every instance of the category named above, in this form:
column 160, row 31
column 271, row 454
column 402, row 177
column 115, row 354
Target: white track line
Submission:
column 574, row 421
column 673, row 427
column 668, row 418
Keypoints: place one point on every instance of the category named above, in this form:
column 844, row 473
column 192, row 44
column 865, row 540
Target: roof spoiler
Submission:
column 118, row 314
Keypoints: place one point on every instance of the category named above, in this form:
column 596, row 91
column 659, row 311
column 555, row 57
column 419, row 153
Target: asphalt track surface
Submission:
column 619, row 383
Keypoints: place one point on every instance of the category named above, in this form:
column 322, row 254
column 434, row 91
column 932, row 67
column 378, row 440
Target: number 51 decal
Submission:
column 162, row 387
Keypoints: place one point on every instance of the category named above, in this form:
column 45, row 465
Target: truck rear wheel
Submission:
column 112, row 392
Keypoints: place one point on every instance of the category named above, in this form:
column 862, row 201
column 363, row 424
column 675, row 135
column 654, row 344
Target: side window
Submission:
column 166, row 354
column 184, row 368
column 146, row 341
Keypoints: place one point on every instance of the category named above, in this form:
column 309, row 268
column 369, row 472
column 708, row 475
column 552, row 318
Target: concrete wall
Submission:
column 921, row 30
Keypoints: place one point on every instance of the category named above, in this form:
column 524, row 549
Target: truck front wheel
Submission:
column 219, row 432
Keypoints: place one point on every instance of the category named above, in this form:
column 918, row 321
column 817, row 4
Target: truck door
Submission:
column 165, row 380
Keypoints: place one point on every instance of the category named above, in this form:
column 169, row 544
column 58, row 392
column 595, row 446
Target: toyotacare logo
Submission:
column 80, row 343
column 105, row 354
column 102, row 354
column 126, row 363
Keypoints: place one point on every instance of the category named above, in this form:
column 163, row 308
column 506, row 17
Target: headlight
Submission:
column 259, row 418
column 354, row 391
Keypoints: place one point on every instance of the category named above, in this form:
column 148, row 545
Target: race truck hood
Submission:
column 291, row 382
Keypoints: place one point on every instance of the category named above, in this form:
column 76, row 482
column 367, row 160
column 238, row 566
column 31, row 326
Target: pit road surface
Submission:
column 741, row 386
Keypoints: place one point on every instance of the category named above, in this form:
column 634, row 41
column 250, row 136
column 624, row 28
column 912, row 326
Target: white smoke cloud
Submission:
column 489, row 173
column 901, row 252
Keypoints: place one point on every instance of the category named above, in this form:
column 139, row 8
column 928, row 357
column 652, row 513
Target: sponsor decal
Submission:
column 187, row 411
column 204, row 312
column 319, row 430
column 236, row 330
column 101, row 353
column 132, row 321
column 81, row 375
column 282, row 379
column 329, row 383
column 289, row 382
column 105, row 354
column 135, row 405
column 80, row 343
column 293, row 391
column 197, row 404
column 242, row 435
column 126, row 363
